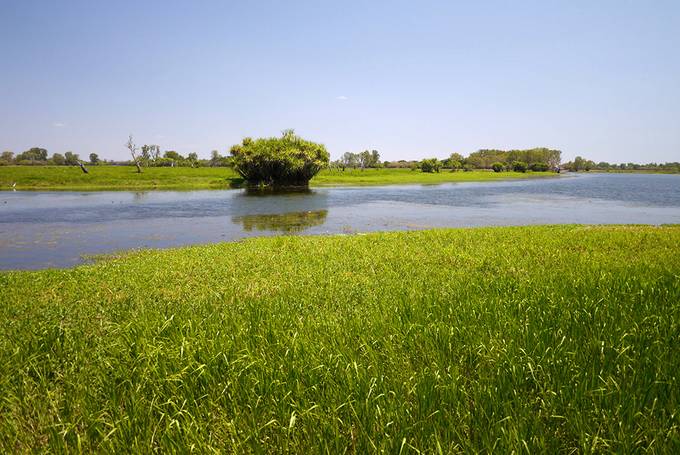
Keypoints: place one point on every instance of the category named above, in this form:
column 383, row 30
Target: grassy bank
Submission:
column 406, row 176
column 537, row 338
column 126, row 177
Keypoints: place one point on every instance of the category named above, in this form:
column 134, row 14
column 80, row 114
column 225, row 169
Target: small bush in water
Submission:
column 285, row 161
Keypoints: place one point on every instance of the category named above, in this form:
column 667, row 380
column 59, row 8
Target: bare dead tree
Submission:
column 82, row 166
column 130, row 144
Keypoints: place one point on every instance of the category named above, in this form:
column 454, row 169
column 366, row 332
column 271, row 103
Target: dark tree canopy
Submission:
column 33, row 154
column 285, row 161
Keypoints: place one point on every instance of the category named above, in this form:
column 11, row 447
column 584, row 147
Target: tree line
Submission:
column 536, row 159
column 36, row 156
column 582, row 164
column 147, row 156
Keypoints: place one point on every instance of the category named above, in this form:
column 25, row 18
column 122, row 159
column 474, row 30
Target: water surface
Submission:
column 55, row 229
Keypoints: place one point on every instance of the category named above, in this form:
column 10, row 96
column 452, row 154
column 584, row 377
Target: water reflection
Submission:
column 282, row 222
column 44, row 229
column 277, row 191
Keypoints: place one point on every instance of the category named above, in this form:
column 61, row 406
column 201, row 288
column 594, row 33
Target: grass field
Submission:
column 539, row 339
column 126, row 177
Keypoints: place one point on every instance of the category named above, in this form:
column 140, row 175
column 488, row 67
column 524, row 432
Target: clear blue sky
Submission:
column 410, row 79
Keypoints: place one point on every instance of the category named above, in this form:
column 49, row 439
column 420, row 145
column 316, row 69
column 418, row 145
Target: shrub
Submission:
column 285, row 161
column 455, row 165
column 431, row 165
column 519, row 166
column 498, row 167
column 58, row 159
column 538, row 167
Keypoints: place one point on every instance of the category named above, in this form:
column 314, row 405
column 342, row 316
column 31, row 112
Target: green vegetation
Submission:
column 581, row 164
column 519, row 166
column 406, row 176
column 485, row 158
column 539, row 339
column 104, row 177
column 285, row 161
column 113, row 178
column 430, row 165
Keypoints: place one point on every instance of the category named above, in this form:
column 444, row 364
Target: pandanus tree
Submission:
column 288, row 160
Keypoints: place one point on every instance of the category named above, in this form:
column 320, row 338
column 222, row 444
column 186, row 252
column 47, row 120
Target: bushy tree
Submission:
column 33, row 154
column 456, row 157
column 430, row 165
column 94, row 158
column 285, row 161
column 519, row 166
column 538, row 167
column 218, row 160
column 71, row 159
column 58, row 159
column 6, row 158
column 455, row 165
column 498, row 167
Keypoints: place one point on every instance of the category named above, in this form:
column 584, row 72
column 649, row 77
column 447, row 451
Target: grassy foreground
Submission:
column 126, row 177
column 497, row 339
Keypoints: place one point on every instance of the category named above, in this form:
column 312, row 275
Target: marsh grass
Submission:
column 179, row 178
column 550, row 339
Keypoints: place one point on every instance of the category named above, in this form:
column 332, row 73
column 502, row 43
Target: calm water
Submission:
column 55, row 229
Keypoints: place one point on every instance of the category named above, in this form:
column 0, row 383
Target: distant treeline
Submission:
column 536, row 159
column 582, row 164
column 150, row 156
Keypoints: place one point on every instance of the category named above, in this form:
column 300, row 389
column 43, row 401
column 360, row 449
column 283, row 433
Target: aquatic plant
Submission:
column 442, row 341
column 285, row 161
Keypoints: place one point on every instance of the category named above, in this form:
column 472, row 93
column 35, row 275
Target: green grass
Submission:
column 113, row 178
column 407, row 176
column 126, row 177
column 540, row 339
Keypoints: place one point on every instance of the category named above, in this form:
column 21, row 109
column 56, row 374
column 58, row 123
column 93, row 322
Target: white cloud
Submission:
column 341, row 98
column 58, row 124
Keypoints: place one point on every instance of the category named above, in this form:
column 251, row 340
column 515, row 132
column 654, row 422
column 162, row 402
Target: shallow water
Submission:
column 57, row 229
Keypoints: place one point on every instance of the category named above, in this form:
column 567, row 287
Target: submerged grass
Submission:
column 126, row 177
column 552, row 339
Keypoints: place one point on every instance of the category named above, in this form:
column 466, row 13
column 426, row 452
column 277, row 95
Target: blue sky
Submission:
column 410, row 79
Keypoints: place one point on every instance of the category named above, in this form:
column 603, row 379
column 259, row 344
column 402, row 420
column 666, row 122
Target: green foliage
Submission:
column 498, row 167
column 288, row 160
column 538, row 167
column 364, row 160
column 430, row 165
column 519, row 166
column 58, row 159
column 71, row 159
column 6, row 158
column 33, row 154
column 173, row 155
column 163, row 176
column 581, row 164
column 484, row 159
column 480, row 342
column 217, row 160
column 94, row 158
